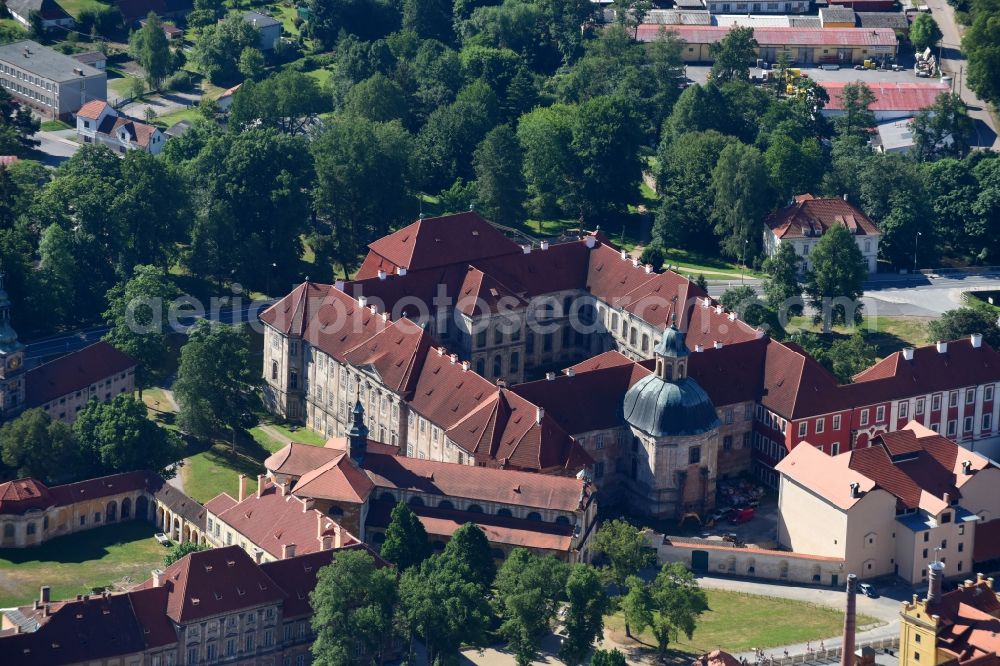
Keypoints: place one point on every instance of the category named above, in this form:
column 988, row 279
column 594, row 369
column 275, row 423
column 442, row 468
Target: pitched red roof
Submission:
column 214, row 582
column 903, row 96
column 795, row 384
column 395, row 354
column 439, row 241
column 768, row 36
column 297, row 459
column 22, row 495
column 92, row 109
column 339, row 480
column 272, row 520
column 929, row 371
column 731, row 374
column 809, row 217
column 102, row 487
column 221, row 502
column 74, row 372
column 297, row 576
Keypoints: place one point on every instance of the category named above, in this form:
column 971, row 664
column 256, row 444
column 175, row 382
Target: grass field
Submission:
column 77, row 563
column 692, row 263
column 266, row 441
column 74, row 7
column 300, row 434
column 217, row 470
column 739, row 622
column 168, row 119
column 55, row 126
column 287, row 17
column 888, row 334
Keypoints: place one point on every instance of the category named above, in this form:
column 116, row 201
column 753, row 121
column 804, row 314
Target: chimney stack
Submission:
column 45, row 594
column 544, row 245
column 157, row 577
column 699, row 348
column 539, row 414
column 319, row 524
column 287, row 551
column 549, row 376
column 977, row 340
column 325, row 542
column 363, row 301
column 590, row 242
column 570, row 372
column 339, row 285
column 855, row 490
column 338, row 536
column 258, row 555
column 850, row 621
column 243, row 488
column 935, row 578
column 526, row 249
column 284, row 489
column 966, row 467
column 400, row 271
column 908, row 353
column 718, row 344
column 942, row 347
column 624, row 255
column 381, row 274
column 260, row 484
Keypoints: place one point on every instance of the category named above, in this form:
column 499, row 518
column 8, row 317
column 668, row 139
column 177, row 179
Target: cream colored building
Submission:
column 912, row 497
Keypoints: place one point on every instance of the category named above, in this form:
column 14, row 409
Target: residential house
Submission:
column 133, row 11
column 53, row 85
column 268, row 27
column 803, row 223
column 52, row 15
column 98, row 122
column 911, row 497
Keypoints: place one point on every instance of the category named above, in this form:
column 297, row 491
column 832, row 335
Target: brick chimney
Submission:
column 260, row 484
column 287, row 551
column 243, row 488
column 319, row 524
column 338, row 536
column 850, row 621
column 258, row 555
column 157, row 577
column 326, row 542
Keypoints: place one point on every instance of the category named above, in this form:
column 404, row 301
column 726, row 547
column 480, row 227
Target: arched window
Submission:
column 45, row 523
column 111, row 512
column 631, row 336
column 504, row 512
column 8, row 531
column 274, row 369
column 680, row 371
column 335, row 512
column 614, row 321
column 416, row 501
column 497, row 365
column 480, row 366
column 475, row 508
column 624, row 328
column 445, row 504
column 670, row 371
column 562, row 520
column 387, row 497
column 515, row 362
column 645, row 342
column 126, row 508
column 534, row 515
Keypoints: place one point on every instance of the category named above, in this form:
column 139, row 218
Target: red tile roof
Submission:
column 7, row 160
column 844, row 37
column 930, row 371
column 968, row 625
column 92, row 109
column 339, row 480
column 214, row 582
column 74, row 372
column 273, row 520
column 889, row 96
column 809, row 217
column 221, row 502
column 104, row 486
column 396, row 354
column 297, row 459
column 439, row 241
column 795, row 384
column 21, row 495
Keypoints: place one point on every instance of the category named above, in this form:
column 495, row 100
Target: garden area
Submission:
column 739, row 622
column 78, row 563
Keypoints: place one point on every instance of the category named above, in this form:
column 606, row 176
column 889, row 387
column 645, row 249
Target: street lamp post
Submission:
column 916, row 241
column 743, row 259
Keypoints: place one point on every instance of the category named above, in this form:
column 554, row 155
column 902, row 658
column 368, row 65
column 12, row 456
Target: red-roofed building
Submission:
column 209, row 606
column 62, row 387
column 357, row 482
column 805, row 221
column 99, row 122
column 911, row 497
column 892, row 100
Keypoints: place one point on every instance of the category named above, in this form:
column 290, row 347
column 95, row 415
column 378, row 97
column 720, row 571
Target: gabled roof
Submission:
column 297, row 459
column 216, row 581
column 795, row 384
column 21, row 495
column 74, row 372
column 830, row 477
column 396, row 353
column 92, row 109
column 272, row 519
column 297, row 576
column 809, row 217
column 137, row 132
column 903, row 96
column 104, row 486
column 439, row 241
column 930, row 371
column 339, row 480
column 49, row 10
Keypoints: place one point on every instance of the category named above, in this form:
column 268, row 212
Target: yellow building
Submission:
column 959, row 627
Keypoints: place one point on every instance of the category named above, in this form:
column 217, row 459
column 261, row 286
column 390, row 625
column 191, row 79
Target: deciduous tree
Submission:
column 584, row 621
column 944, row 129
column 624, row 546
column 783, row 286
column 406, row 543
column 528, row 590
column 121, row 438
column 924, row 32
column 678, row 602
column 733, row 55
column 499, row 181
column 962, row 322
column 742, row 196
column 149, row 47
column 181, row 550
column 33, row 444
column 857, row 117
column 835, row 282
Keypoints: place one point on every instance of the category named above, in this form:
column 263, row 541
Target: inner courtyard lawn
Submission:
column 76, row 563
column 739, row 622
column 217, row 470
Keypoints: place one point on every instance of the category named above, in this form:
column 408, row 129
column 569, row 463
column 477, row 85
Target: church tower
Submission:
column 358, row 436
column 11, row 362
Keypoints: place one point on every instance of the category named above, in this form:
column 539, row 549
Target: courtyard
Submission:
column 114, row 556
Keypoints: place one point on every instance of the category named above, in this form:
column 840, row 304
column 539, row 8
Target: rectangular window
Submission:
column 864, row 417
column 920, row 407
column 727, row 443
column 953, row 399
column 945, row 518
column 694, row 455
column 970, row 396
column 803, row 427
column 729, row 416
column 192, row 655
column 961, row 547
column 880, row 414
column 599, row 470
column 987, row 393
column 836, row 422
column 835, row 449
column 250, row 643
column 904, row 409
column 952, row 428
column 820, row 426
column 968, row 424
column 935, row 402
column 987, row 422
column 600, row 441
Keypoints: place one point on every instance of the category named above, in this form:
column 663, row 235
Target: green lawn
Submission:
column 266, row 441
column 888, row 334
column 74, row 7
column 55, row 126
column 287, row 16
column 300, row 434
column 711, row 267
column 169, row 119
column 77, row 563
column 322, row 75
column 739, row 622
column 217, row 470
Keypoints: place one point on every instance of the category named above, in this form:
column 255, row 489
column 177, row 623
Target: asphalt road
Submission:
column 54, row 149
column 904, row 295
column 953, row 62
column 37, row 351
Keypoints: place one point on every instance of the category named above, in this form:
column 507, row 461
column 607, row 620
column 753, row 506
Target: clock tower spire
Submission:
column 11, row 361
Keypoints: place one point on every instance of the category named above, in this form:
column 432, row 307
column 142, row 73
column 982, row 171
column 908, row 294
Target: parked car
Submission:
column 868, row 590
column 162, row 539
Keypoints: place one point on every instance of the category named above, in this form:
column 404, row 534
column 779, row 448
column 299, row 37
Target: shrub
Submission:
column 179, row 82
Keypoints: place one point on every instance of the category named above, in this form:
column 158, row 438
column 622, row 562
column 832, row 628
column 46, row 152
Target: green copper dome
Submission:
column 669, row 409
column 672, row 343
